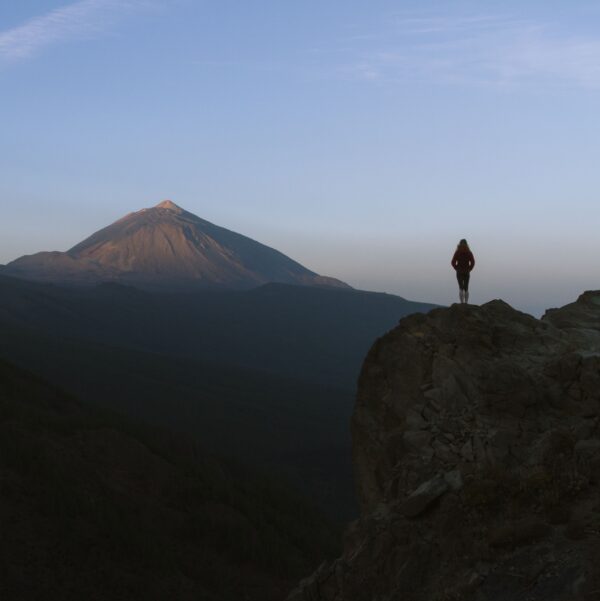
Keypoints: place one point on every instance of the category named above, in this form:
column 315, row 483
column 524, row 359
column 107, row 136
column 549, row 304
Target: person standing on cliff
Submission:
column 463, row 263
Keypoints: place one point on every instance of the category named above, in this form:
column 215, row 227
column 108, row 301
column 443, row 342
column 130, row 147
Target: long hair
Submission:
column 463, row 245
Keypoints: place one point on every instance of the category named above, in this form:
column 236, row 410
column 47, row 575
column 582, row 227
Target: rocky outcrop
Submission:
column 476, row 440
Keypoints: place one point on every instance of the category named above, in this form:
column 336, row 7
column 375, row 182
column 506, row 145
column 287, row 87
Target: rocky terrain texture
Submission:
column 165, row 246
column 476, row 442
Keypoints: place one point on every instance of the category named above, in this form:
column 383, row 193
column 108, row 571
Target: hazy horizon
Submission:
column 359, row 139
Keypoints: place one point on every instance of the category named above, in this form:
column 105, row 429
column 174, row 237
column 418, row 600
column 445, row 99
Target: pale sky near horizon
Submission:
column 362, row 139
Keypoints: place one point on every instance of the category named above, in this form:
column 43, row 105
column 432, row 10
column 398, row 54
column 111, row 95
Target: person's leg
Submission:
column 461, row 294
column 466, row 286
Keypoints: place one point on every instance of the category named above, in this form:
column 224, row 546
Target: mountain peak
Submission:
column 166, row 246
column 168, row 204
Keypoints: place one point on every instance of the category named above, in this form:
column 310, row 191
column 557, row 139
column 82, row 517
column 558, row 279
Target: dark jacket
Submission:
column 463, row 260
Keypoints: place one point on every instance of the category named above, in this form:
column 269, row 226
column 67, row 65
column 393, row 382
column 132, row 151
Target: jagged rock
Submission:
column 467, row 451
column 418, row 442
column 415, row 421
column 454, row 479
column 476, row 443
column 424, row 496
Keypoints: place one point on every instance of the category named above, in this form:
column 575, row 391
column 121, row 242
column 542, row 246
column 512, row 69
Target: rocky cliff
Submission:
column 476, row 440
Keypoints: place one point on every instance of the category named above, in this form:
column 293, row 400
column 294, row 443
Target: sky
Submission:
column 361, row 138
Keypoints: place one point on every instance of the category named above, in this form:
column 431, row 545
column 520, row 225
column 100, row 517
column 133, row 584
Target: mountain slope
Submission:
column 309, row 333
column 297, row 432
column 96, row 507
column 165, row 246
column 265, row 375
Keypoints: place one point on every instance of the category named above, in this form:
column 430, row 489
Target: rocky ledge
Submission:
column 476, row 441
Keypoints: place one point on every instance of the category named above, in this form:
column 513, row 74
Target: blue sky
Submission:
column 361, row 138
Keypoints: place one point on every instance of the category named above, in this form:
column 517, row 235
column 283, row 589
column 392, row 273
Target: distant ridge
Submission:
column 166, row 246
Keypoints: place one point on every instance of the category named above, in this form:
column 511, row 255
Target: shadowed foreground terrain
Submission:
column 266, row 376
column 94, row 507
column 319, row 335
column 476, row 443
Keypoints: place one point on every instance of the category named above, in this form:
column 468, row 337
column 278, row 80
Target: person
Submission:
column 463, row 263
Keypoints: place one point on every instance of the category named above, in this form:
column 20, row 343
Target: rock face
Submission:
column 476, row 441
column 165, row 246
